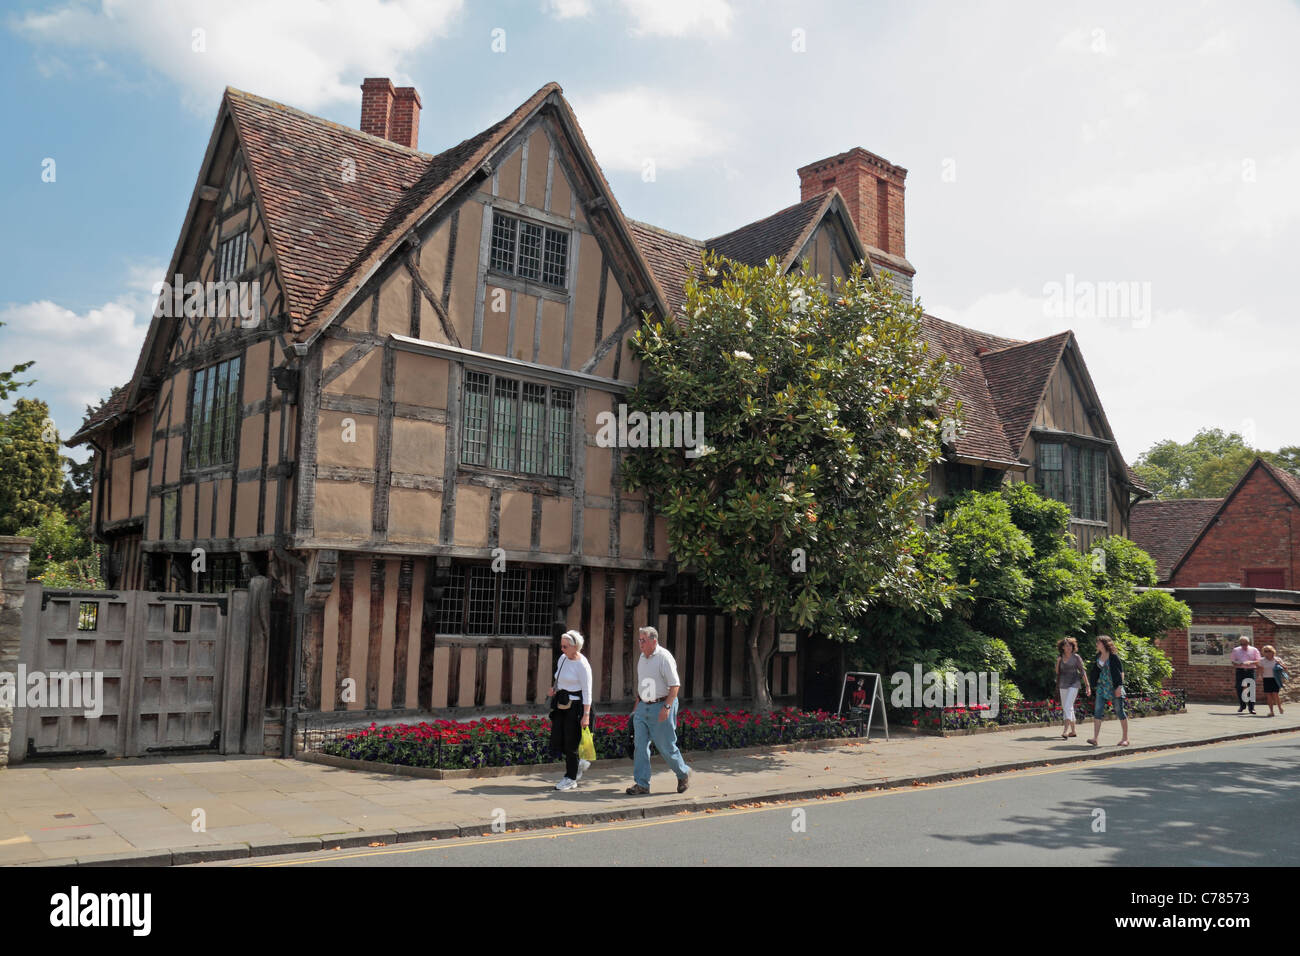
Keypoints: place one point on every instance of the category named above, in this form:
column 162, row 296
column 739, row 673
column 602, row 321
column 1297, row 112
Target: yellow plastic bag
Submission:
column 587, row 745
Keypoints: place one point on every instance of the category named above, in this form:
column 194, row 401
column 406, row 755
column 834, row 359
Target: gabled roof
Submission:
column 1164, row 528
column 330, row 233
column 983, row 436
column 337, row 202
column 781, row 234
column 1017, row 377
column 1285, row 480
column 317, row 222
column 1001, row 382
column 670, row 256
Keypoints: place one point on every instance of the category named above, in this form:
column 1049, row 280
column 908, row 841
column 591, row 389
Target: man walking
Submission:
column 1243, row 658
column 655, row 716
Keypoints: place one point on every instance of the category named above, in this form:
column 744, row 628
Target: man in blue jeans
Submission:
column 655, row 716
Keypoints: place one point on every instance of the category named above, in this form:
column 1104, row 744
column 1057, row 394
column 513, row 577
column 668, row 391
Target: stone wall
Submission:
column 13, row 582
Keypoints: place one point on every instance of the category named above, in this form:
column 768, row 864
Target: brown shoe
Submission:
column 683, row 783
column 637, row 788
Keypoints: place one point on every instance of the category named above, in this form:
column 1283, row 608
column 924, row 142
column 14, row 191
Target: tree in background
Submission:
column 31, row 473
column 820, row 413
column 57, row 540
column 1207, row 466
column 9, row 380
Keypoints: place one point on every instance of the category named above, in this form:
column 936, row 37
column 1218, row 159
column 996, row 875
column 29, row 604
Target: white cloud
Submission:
column 568, row 9
column 627, row 128
column 679, row 18
column 306, row 52
column 80, row 356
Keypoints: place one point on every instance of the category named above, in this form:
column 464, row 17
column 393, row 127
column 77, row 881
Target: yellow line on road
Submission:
column 705, row 813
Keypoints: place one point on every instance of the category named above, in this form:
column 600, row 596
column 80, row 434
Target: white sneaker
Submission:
column 582, row 768
column 566, row 784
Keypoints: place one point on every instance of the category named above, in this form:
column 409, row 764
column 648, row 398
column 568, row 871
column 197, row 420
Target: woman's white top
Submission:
column 574, row 676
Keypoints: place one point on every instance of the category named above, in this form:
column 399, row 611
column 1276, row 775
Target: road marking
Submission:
column 703, row 813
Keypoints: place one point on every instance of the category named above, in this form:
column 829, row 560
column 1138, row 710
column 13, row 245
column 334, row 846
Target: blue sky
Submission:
column 1049, row 146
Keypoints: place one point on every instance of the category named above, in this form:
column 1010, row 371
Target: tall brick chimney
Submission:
column 405, row 127
column 393, row 114
column 872, row 188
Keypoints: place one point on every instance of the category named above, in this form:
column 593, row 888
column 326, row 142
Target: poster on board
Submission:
column 858, row 694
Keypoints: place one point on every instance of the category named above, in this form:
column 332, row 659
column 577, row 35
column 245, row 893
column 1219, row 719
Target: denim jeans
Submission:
column 646, row 726
column 1117, row 703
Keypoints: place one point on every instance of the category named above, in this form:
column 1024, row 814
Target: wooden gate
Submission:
column 161, row 660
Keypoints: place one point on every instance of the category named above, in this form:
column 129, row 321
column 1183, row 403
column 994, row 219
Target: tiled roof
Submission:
column 670, row 256
column 1017, row 376
column 1280, row 617
column 326, row 231
column 317, row 222
column 1284, row 478
column 329, row 233
column 983, row 435
column 1165, row 528
column 114, row 405
column 778, row 235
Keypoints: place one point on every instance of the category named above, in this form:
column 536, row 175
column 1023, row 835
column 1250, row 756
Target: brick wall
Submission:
column 1214, row 683
column 13, row 582
column 1259, row 528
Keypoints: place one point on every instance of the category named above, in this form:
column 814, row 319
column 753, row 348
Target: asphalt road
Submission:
column 1205, row 806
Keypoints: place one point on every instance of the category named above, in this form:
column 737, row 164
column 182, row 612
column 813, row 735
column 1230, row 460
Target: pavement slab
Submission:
column 120, row 807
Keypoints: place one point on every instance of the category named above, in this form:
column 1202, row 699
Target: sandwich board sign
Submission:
column 858, row 695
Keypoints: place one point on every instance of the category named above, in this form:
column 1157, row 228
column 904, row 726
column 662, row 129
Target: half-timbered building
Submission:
column 401, row 435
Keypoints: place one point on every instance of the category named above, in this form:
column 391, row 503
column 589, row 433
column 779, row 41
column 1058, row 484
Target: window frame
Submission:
column 547, row 440
column 544, row 236
column 231, row 251
column 533, row 607
column 1084, row 479
column 202, row 404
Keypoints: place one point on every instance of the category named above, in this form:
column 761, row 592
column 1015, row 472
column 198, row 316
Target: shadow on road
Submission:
column 1172, row 812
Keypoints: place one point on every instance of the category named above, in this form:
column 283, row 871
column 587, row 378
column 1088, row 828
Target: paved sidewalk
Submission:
column 143, row 811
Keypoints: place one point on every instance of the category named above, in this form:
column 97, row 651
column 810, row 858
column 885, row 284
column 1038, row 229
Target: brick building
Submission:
column 1234, row 561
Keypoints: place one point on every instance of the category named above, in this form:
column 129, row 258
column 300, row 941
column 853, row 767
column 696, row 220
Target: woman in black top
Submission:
column 1108, row 678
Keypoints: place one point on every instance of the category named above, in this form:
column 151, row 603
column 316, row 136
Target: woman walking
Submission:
column 1108, row 678
column 1070, row 673
column 1268, row 678
column 570, row 707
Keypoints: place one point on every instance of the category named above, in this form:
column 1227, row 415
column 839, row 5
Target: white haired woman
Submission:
column 571, row 707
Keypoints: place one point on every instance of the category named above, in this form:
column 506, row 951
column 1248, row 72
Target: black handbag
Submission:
column 561, row 699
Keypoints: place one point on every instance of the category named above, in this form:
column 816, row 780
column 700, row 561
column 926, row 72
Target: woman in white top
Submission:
column 571, row 711
column 1267, row 667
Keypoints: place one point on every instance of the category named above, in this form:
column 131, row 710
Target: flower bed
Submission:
column 522, row 741
column 947, row 719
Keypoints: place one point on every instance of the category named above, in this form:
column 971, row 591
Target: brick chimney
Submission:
column 872, row 188
column 405, row 127
column 392, row 114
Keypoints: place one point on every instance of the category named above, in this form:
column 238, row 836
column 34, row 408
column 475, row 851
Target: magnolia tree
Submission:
column 803, row 502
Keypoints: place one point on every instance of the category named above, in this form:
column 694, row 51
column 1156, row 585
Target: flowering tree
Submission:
column 804, row 505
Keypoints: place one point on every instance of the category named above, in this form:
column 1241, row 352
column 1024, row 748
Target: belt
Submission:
column 655, row 701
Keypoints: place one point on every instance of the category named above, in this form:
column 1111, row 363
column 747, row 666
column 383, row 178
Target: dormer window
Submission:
column 1077, row 475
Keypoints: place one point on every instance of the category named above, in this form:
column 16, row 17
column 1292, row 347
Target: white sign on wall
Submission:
column 1213, row 643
